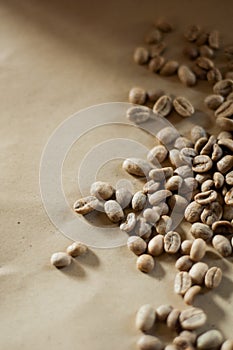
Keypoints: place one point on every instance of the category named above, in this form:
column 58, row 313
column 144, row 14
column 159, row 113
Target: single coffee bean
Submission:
column 198, row 249
column 137, row 95
column 222, row 245
column 159, row 196
column 163, row 25
column 202, row 164
column 224, row 123
column 225, row 164
column 184, row 171
column 101, row 190
column 192, row 318
column 183, row 107
column 153, row 36
column 214, row 39
column 224, row 135
column 76, row 249
column 184, row 263
column 156, row 244
column 160, row 174
column 173, row 319
column 167, row 135
column 213, row 277
column 174, row 183
column 151, row 187
column 163, row 106
column 141, row 55
column 182, row 343
column 123, row 197
column 211, row 213
column 157, row 154
column 169, row 68
column 208, row 147
column 205, row 198
column 113, row 210
column 182, row 282
column 227, row 345
column 149, row 342
column 156, row 63
column 199, row 230
column 85, row 205
column 227, row 212
column 205, row 63
column 162, row 312
column 175, row 159
column 187, row 154
column 209, row 340
column 199, row 72
column 214, row 75
column 198, row 271
column 60, row 259
column 223, row 87
column 136, row 166
column 164, row 209
column 186, row 76
column 217, row 152
column 172, row 242
column 138, row 114
column 164, row 224
column 197, row 132
column 157, row 49
column 191, row 52
column 145, row 318
column 191, row 293
column 154, row 94
column 225, row 110
column 226, row 142
column 139, row 201
column 186, row 246
column 229, row 197
column 229, row 178
column 214, row 101
column 151, row 215
column 192, row 32
column 130, row 223
column 145, row 263
column 207, row 185
column 190, row 336
column 182, row 142
column 137, row 245
column 206, row 51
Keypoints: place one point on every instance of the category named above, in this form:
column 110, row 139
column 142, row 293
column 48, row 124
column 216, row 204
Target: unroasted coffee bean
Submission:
column 229, row 178
column 177, row 203
column 174, row 183
column 157, row 49
column 163, row 25
column 206, row 51
column 217, row 152
column 224, row 123
column 182, row 342
column 186, row 76
column 187, row 154
column 173, row 319
column 200, row 144
column 199, row 230
column 186, row 246
column 223, row 87
column 182, row 142
column 157, row 154
column 190, row 336
column 172, row 242
column 156, row 244
column 225, row 164
column 198, row 271
column 174, row 157
column 197, row 132
column 137, row 95
column 229, row 197
column 208, row 147
column 141, row 55
column 205, row 198
column 214, row 75
column 183, row 107
column 164, row 224
column 205, row 63
column 138, row 114
column 167, row 135
column 159, row 196
column 184, row 263
column 145, row 263
column 160, row 174
column 191, row 52
column 154, row 94
column 164, row 209
column 225, row 110
column 222, row 245
column 198, row 249
column 169, row 68
column 149, row 342
column 137, row 245
column 207, row 185
column 153, row 36
column 226, row 142
column 76, row 249
column 145, row 318
column 163, row 106
column 113, row 210
column 213, row 101
column 101, row 190
column 139, row 200
column 192, row 318
column 143, row 228
column 123, row 197
column 85, row 205
column 230, row 96
column 136, row 166
column 211, row 213
column 227, row 212
column 151, row 215
column 199, row 72
column 209, row 340
column 227, row 345
column 130, row 223
column 202, row 164
column 214, row 39
column 192, row 32
column 151, row 187
column 191, row 293
column 213, row 277
column 162, row 312
column 156, row 64
column 184, row 171
column 60, row 260
column 193, row 212
column 202, row 38
column 182, row 282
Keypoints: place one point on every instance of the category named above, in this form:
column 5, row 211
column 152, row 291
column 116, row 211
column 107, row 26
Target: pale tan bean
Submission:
column 130, row 223
column 139, row 200
column 182, row 142
column 142, row 228
column 123, row 197
column 60, row 259
column 137, row 245
column 137, row 95
column 209, row 340
column 173, row 319
column 191, row 293
column 175, row 159
column 182, row 343
column 183, row 106
column 213, row 277
column 192, row 318
column 159, row 196
column 136, row 166
column 222, row 245
column 197, row 132
column 199, row 230
column 205, row 198
column 222, row 227
column 138, row 114
column 214, row 101
column 76, row 249
column 170, row 347
column 186, row 76
column 172, row 242
column 225, row 109
column 145, row 263
column 163, row 106
column 151, row 215
column 113, row 210
column 190, row 336
column 163, row 311
column 157, row 154
column 151, row 187
column 155, row 246
column 167, row 135
column 227, row 212
column 229, row 197
column 218, row 179
column 145, row 317
column 193, row 212
column 198, row 249
column 101, row 190
column 184, row 263
column 202, row 164
column 211, row 213
column 161, row 174
column 141, row 55
column 217, row 152
column 227, row 345
column 164, row 224
column 198, row 272
column 225, row 164
column 182, row 282
column 223, row 87
column 85, row 205
column 149, row 342
column 186, row 246
column 174, row 183
column 208, row 147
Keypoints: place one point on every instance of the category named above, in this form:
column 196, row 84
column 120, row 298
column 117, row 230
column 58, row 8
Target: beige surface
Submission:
column 55, row 58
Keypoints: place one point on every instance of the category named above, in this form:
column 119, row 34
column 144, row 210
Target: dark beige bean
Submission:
column 211, row 339
column 202, row 177
column 205, row 63
column 214, row 75
column 192, row 318
column 199, row 230
column 156, row 244
column 205, row 198
column 145, row 263
column 151, row 186
column 230, row 96
column 225, row 164
column 113, row 210
column 177, row 203
column 85, row 205
column 153, row 36
column 214, row 39
column 157, row 154
column 137, row 95
column 213, row 277
column 151, row 215
column 191, row 51
column 167, row 135
column 200, row 144
column 223, row 87
column 186, row 246
column 202, row 164
column 160, row 174
column 202, row 38
column 211, row 213
column 198, row 271
column 159, row 196
column 174, row 183
column 183, row 106
column 173, row 319
column 138, row 114
column 172, row 242
column 157, row 49
column 169, row 68
column 182, row 142
column 149, row 342
column 214, row 101
column 163, row 311
column 197, row 132
column 60, row 260
column 192, row 32
column 163, row 106
column 229, row 197
column 76, row 249
column 145, row 318
column 136, row 166
column 186, row 76
column 191, row 293
column 154, row 94
column 182, row 282
column 217, row 152
column 156, row 64
column 190, row 336
column 130, row 223
column 225, row 110
column 199, row 72
column 198, row 249
column 187, row 155
column 222, row 245
column 164, row 224
column 139, row 201
column 137, row 245
column 184, row 263
column 224, row 135
column 206, row 51
column 141, row 55
column 227, row 345
column 208, row 147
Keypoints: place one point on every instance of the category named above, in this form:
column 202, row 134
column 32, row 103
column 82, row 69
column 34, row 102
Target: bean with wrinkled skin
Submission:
column 167, row 135
column 123, row 197
column 141, row 55
column 197, row 132
column 137, row 245
column 198, row 272
column 139, row 200
column 182, row 343
column 192, row 318
column 187, row 154
column 225, row 164
column 173, row 319
column 199, row 230
column 138, row 114
column 76, row 249
column 137, row 95
column 213, row 277
column 113, row 210
column 182, row 142
column 191, row 293
column 149, row 342
column 163, row 311
column 186, row 246
column 169, row 68
column 164, row 224
column 205, row 63
column 211, row 339
column 183, row 106
column 145, row 317
column 186, row 76
column 172, row 242
column 84, row 205
column 214, row 101
column 145, row 263
column 214, row 75
column 151, row 215
column 184, row 171
column 214, row 40
column 153, row 36
column 222, row 245
column 198, row 249
column 157, row 154
column 136, row 166
column 192, row 32
column 159, row 196
column 225, row 110
column 182, row 282
column 151, row 186
column 60, row 260
column 156, row 63
column 207, row 149
column 184, row 263
column 217, row 152
column 163, row 106
column 211, row 213
column 205, row 198
column 156, row 244
column 202, row 164
column 101, row 190
column 161, row 174
column 227, row 345
column 130, row 223
column 223, row 87
column 229, row 197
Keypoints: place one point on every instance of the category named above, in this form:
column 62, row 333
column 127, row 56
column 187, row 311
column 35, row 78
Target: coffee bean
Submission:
column 184, row 263
column 227, row 345
column 156, row 244
column 202, row 164
column 190, row 336
column 193, row 212
column 223, row 87
column 153, row 36
column 154, row 94
column 151, row 187
column 145, row 318
column 225, row 164
column 198, row 249
column 169, row 68
column 226, row 143
column 186, row 246
column 138, row 114
column 205, row 198
column 123, row 197
column 136, row 166
column 209, row 340
column 160, row 174
column 230, row 96
column 213, row 277
column 182, row 142
column 149, row 342
column 85, row 205
column 113, row 210
column 162, row 312
column 225, row 110
column 217, row 152
column 187, row 154
column 191, row 293
column 192, row 32
column 182, row 282
column 174, row 157
column 206, row 51
column 177, row 203
column 214, row 40
column 141, row 55
column 145, row 263
column 211, row 213
column 191, row 52
column 199, row 72
column 192, row 318
column 199, row 144
column 214, row 75
column 137, row 245
column 156, row 63
column 224, row 123
column 208, row 147
column 159, row 196
column 173, row 319
column 186, row 76
column 137, row 95
column 213, row 101
column 202, row 38
column 229, row 178
column 130, row 223
column 205, row 63
column 151, row 215
column 174, row 183
column 167, row 135
column 222, row 245
column 60, row 260
column 163, row 106
column 172, row 242
column 184, row 171
column 101, row 190
column 76, row 249
column 183, row 107
column 207, row 185
column 143, row 228
column 199, row 230
column 157, row 49
column 139, row 201
column 227, row 212
column 229, row 197
column 164, row 225
column 163, row 25
column 198, row 271
column 197, row 132
column 157, row 154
